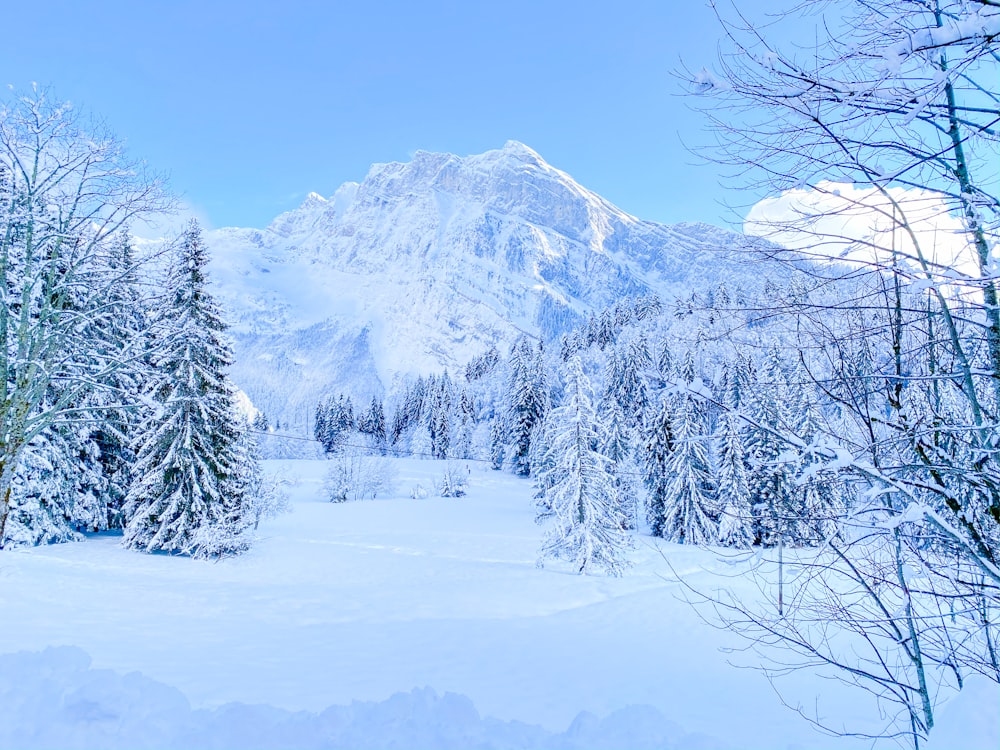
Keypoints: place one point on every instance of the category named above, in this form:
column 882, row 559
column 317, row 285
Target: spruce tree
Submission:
column 819, row 495
column 527, row 403
column 117, row 411
column 498, row 433
column 658, row 444
column 587, row 523
column 736, row 517
column 624, row 383
column 465, row 425
column 689, row 497
column 190, row 493
column 43, row 494
column 771, row 482
column 372, row 424
column 615, row 443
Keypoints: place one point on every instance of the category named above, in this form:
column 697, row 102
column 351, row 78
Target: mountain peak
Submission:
column 518, row 149
column 425, row 264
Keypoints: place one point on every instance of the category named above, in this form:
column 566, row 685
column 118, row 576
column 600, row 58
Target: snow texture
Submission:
column 56, row 699
column 342, row 602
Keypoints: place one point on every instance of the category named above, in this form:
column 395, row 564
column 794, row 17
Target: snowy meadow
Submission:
column 376, row 601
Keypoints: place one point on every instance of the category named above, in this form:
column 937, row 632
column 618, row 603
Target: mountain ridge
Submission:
column 433, row 261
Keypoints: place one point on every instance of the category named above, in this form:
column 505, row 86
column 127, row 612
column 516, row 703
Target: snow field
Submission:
column 359, row 601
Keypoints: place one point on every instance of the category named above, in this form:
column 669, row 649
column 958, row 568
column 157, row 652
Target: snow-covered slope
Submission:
column 426, row 264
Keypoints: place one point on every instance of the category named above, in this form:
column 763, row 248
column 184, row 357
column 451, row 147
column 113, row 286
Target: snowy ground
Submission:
column 359, row 601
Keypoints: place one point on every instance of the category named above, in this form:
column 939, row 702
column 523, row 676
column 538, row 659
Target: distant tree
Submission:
column 777, row 516
column 658, row 445
column 464, row 419
column 439, row 417
column 334, row 422
column 735, row 519
column 689, row 494
column 615, row 442
column 372, row 424
column 625, row 384
column 527, row 399
column 498, row 441
column 587, row 526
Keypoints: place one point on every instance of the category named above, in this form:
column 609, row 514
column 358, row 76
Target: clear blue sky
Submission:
column 248, row 106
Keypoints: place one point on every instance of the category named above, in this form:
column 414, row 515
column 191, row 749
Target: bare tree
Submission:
column 885, row 123
column 67, row 192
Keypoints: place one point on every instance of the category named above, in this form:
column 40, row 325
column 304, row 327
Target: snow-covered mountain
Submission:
column 423, row 265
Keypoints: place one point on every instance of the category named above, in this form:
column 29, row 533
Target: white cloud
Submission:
column 856, row 224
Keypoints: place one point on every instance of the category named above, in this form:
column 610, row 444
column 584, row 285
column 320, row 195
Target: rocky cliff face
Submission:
column 426, row 264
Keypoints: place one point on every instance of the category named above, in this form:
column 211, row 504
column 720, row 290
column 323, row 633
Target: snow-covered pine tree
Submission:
column 615, row 443
column 689, row 496
column 586, row 521
column 190, row 491
column 42, row 495
column 542, row 463
column 658, row 445
column 334, row 422
column 74, row 474
column 819, row 494
column 320, row 425
column 498, row 442
column 439, row 417
column 526, row 403
column 770, row 480
column 118, row 413
column 464, row 419
column 624, row 382
column 372, row 424
column 736, row 516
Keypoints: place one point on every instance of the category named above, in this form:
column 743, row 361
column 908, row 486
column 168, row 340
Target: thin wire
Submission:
column 394, row 451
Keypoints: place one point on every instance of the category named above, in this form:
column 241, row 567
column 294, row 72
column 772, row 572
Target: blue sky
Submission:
column 248, row 106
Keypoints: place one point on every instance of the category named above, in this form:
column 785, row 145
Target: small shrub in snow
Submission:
column 354, row 475
column 268, row 499
column 418, row 492
column 454, row 482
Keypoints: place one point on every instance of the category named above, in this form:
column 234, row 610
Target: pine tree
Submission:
column 464, row 418
column 624, row 383
column 689, row 497
column 320, row 423
column 736, row 515
column 190, row 492
column 658, row 445
column 527, row 402
column 439, row 417
column 818, row 495
column 372, row 424
column 587, row 524
column 615, row 443
column 118, row 414
column 770, row 480
column 498, row 436
column 43, row 495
